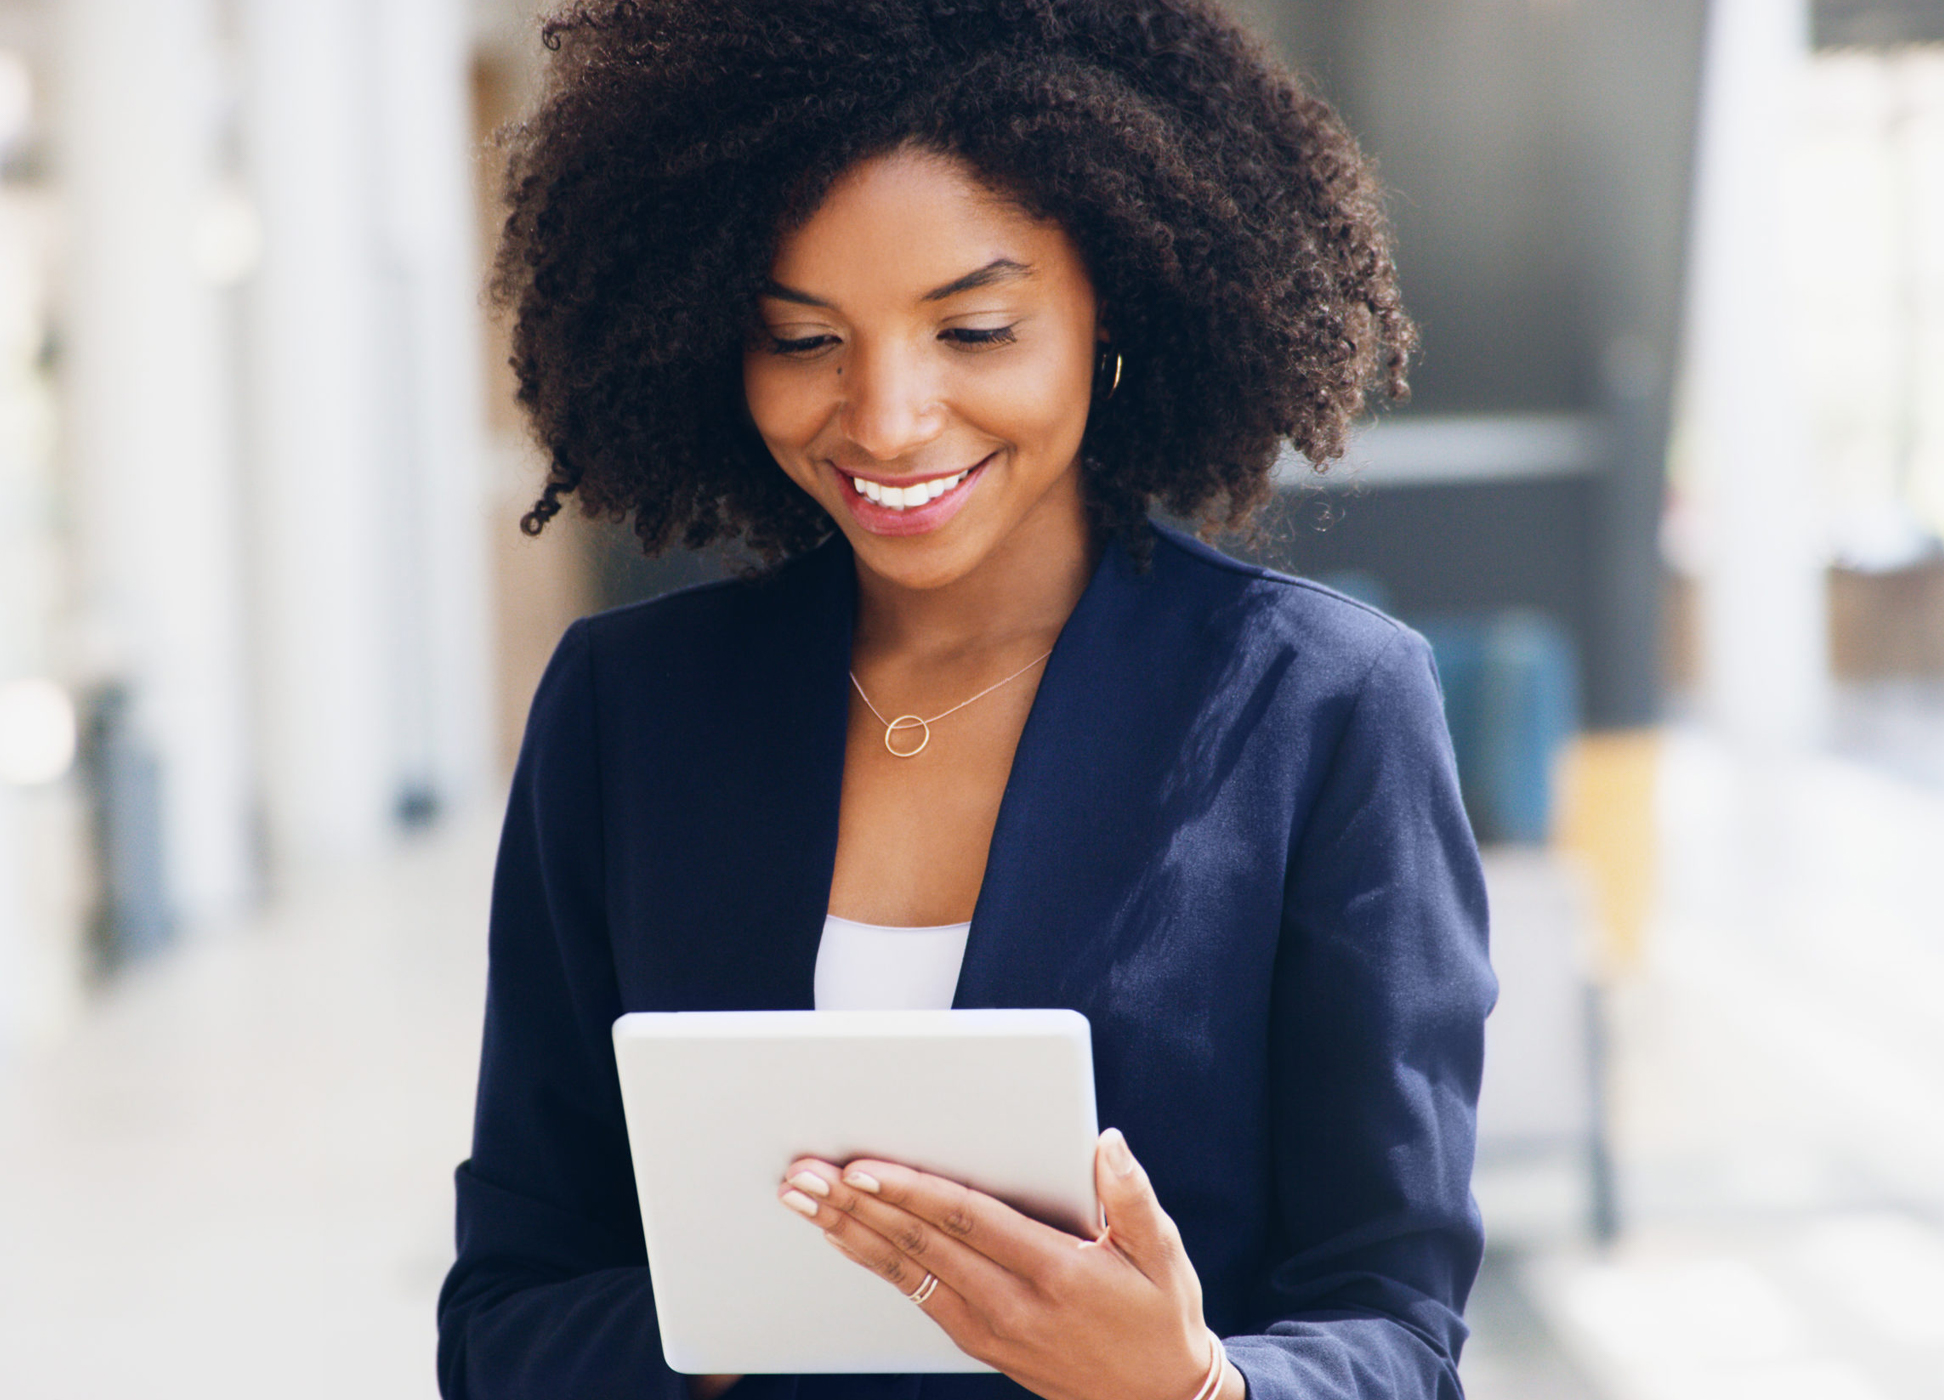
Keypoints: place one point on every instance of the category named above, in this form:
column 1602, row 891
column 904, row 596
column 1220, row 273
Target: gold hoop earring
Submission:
column 1100, row 372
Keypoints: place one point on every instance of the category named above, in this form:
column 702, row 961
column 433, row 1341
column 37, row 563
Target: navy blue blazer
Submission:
column 1231, row 838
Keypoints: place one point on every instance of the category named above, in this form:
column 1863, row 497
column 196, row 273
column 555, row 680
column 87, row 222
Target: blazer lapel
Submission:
column 1078, row 755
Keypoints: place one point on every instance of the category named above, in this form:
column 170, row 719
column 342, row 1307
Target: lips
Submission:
column 913, row 507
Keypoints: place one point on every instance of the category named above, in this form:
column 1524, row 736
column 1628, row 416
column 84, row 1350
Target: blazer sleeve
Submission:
column 1382, row 986
column 549, row 1295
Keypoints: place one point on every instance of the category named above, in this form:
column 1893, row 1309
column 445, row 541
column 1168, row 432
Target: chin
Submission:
column 919, row 563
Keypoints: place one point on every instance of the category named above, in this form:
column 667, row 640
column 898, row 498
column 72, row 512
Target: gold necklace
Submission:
column 903, row 722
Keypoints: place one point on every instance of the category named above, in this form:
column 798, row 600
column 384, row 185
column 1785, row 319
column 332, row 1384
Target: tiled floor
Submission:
column 233, row 1180
column 1822, row 1304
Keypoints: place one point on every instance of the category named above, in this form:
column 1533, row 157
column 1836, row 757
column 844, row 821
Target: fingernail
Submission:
column 861, row 1181
column 1119, row 1160
column 811, row 1182
column 799, row 1203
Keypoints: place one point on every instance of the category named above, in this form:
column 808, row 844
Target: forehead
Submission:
column 900, row 225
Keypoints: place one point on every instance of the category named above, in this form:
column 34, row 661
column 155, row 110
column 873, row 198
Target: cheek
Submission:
column 1044, row 405
column 779, row 406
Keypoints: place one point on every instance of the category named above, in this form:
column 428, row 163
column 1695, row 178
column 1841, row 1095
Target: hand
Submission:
column 1069, row 1319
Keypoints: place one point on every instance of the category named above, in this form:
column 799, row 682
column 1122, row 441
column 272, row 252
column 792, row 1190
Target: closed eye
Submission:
column 801, row 345
column 978, row 338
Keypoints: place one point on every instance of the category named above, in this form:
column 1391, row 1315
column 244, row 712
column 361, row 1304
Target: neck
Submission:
column 1023, row 590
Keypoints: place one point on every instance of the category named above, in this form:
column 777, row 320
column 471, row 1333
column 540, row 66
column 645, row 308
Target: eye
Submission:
column 978, row 338
column 800, row 347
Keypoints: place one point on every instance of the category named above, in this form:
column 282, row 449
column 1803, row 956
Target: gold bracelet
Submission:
column 1217, row 1368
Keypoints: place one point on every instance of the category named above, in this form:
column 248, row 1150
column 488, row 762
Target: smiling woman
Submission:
column 931, row 304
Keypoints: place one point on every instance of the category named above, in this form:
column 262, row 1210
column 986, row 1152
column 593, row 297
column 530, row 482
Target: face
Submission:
column 924, row 366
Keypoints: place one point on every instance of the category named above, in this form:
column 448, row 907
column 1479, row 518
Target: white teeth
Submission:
column 904, row 497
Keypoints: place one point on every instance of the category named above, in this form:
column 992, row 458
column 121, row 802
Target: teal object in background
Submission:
column 1512, row 701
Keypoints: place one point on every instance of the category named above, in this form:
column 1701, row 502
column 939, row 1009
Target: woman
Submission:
column 930, row 303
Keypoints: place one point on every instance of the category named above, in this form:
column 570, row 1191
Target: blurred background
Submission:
column 1668, row 500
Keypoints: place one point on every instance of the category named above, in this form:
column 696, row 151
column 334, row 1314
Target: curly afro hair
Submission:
column 1235, row 235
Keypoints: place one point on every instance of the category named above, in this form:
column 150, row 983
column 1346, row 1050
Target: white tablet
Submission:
column 719, row 1103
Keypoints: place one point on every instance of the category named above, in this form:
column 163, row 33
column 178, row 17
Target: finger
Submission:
column 943, row 1304
column 1136, row 1224
column 988, row 1226
column 866, row 1247
column 819, row 1184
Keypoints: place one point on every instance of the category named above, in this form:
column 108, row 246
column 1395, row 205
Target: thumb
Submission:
column 1135, row 1221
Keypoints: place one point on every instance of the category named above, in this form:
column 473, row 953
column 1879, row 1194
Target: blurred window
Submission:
column 1866, row 257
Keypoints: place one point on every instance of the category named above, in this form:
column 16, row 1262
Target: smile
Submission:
column 912, row 508
column 904, row 497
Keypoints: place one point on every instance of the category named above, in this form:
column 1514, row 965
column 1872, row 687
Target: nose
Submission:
column 891, row 405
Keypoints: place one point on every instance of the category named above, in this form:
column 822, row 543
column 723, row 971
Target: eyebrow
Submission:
column 777, row 291
column 998, row 270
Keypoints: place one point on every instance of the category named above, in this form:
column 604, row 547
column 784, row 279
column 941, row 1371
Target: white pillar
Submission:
column 324, row 498
column 435, row 419
column 1763, row 606
column 148, row 417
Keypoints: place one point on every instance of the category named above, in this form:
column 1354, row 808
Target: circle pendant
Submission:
column 907, row 722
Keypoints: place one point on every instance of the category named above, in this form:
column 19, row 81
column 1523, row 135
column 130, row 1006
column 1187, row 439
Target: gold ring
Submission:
column 924, row 1290
column 907, row 722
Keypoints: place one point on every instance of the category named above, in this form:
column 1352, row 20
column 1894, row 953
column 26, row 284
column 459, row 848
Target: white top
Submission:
column 868, row 967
